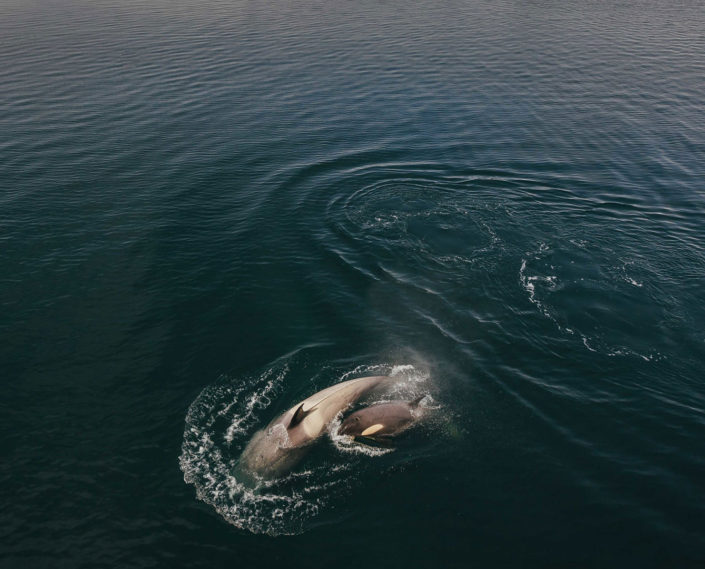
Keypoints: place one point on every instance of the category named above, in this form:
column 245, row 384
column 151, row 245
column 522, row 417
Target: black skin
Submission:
column 395, row 417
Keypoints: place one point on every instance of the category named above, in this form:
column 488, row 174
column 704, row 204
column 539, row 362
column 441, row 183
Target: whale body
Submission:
column 275, row 450
column 383, row 421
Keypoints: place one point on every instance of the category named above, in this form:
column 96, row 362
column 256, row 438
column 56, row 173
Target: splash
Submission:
column 222, row 420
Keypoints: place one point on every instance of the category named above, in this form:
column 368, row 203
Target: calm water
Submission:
column 210, row 210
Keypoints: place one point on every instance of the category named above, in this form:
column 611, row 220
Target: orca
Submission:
column 274, row 451
column 382, row 421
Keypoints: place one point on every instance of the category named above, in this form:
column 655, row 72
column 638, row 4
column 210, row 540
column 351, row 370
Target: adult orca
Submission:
column 276, row 449
column 383, row 421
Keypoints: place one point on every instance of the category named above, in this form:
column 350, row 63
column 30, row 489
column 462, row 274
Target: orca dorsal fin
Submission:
column 299, row 415
column 415, row 402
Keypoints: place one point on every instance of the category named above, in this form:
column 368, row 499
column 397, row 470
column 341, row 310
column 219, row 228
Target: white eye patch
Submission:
column 372, row 430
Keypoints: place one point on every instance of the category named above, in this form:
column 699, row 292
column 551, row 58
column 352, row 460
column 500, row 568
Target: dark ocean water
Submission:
column 211, row 210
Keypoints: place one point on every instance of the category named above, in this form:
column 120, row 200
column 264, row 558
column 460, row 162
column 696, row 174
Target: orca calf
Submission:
column 383, row 421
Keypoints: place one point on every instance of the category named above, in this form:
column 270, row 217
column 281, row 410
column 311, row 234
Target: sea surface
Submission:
column 211, row 210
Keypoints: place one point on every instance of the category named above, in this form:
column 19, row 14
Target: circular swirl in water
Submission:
column 424, row 217
column 486, row 232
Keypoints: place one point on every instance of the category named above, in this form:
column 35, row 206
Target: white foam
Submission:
column 529, row 284
column 402, row 369
column 257, row 400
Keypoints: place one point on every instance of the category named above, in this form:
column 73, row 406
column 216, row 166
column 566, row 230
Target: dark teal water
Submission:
column 211, row 210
